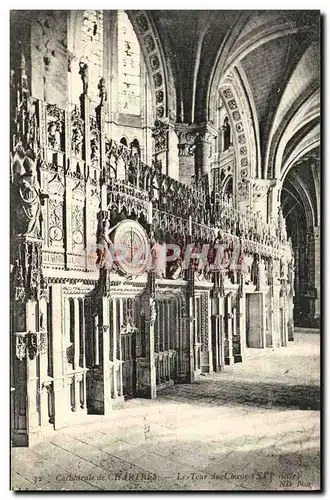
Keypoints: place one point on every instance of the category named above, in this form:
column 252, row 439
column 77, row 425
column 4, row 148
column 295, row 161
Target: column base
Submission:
column 229, row 361
column 147, row 392
column 238, row 358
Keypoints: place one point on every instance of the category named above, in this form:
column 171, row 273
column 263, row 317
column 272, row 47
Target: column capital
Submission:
column 186, row 139
column 260, row 188
column 203, row 132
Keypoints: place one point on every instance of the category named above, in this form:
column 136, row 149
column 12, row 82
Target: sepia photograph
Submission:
column 165, row 248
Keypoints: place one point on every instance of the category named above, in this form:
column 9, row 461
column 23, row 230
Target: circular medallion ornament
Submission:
column 77, row 237
column 131, row 247
column 55, row 233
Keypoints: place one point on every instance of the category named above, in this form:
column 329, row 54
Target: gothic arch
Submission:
column 235, row 100
column 299, row 103
column 304, row 196
column 310, row 142
column 161, row 78
column 218, row 66
column 234, row 48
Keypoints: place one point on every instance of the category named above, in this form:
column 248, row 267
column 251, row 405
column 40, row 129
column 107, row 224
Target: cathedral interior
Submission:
column 188, row 140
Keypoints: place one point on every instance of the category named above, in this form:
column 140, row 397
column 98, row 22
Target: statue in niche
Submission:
column 95, row 150
column 28, row 201
column 54, row 134
column 281, row 225
column 83, row 72
column 77, row 140
column 153, row 312
column 174, row 269
column 225, row 131
column 104, row 245
column 255, row 277
column 102, row 91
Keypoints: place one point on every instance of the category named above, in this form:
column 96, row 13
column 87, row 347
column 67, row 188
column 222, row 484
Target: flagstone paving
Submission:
column 254, row 426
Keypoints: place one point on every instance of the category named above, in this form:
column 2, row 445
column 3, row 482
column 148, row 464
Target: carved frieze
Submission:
column 56, row 211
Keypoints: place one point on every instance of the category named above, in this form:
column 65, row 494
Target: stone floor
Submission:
column 255, row 426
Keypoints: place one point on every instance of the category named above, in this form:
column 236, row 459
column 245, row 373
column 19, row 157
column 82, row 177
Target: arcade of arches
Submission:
column 125, row 134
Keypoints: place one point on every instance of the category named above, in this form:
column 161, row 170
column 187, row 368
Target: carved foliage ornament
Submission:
column 159, row 133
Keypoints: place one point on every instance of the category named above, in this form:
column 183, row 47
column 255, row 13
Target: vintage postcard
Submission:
column 165, row 250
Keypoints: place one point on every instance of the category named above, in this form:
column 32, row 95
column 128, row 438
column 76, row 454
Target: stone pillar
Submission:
column 191, row 339
column 150, row 334
column 43, row 364
column 209, row 332
column 273, row 199
column 76, row 327
column 114, row 347
column 146, row 369
column 67, row 346
column 242, row 326
column 222, row 138
column 215, row 325
column 229, row 358
column 68, row 219
column 119, row 367
column 317, row 264
column 57, row 336
column 105, row 362
column 203, row 151
column 186, row 149
column 172, row 155
column 276, row 314
column 31, row 368
column 222, row 332
column 96, row 342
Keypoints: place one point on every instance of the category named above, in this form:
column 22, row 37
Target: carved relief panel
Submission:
column 55, row 219
column 78, row 218
column 55, row 127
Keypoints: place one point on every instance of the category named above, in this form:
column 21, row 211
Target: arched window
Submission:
column 123, row 141
column 129, row 67
column 228, row 187
column 135, row 147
